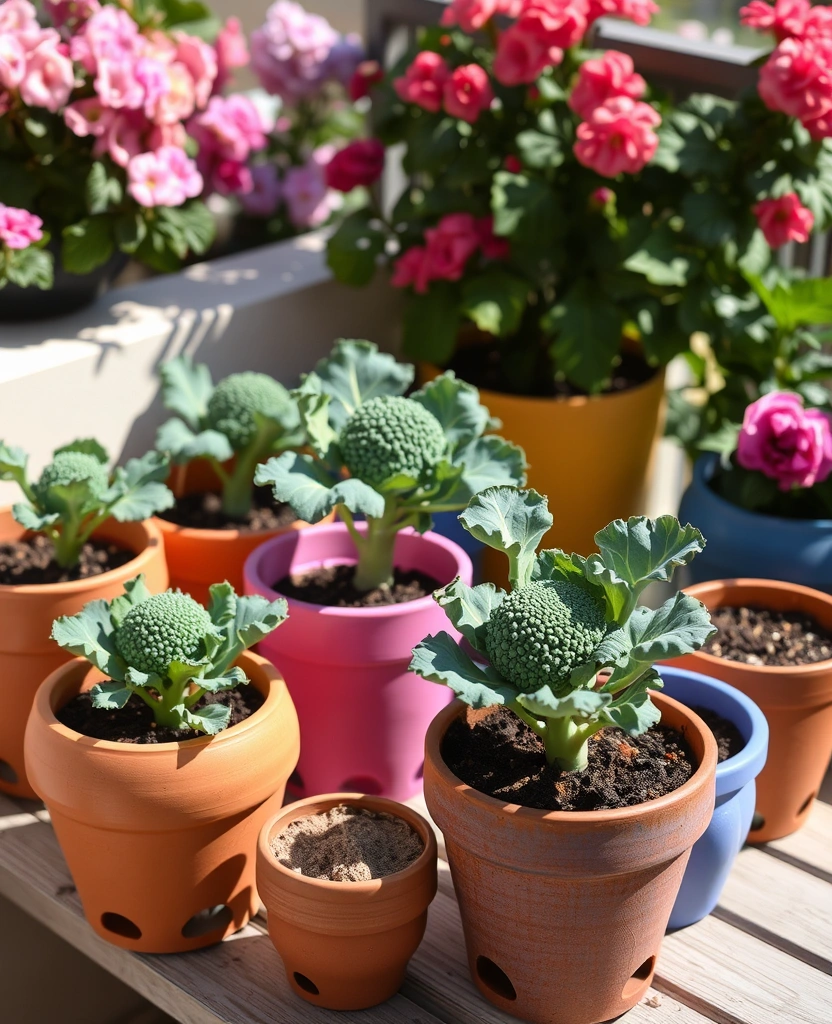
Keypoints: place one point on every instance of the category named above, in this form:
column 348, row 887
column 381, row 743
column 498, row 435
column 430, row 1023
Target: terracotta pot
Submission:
column 28, row 655
column 345, row 945
column 796, row 700
column 613, row 434
column 160, row 839
column 198, row 558
column 564, row 912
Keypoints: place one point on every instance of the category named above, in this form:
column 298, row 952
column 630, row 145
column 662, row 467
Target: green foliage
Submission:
column 169, row 651
column 566, row 619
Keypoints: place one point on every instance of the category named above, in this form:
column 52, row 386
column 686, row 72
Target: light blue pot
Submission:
column 743, row 544
column 713, row 855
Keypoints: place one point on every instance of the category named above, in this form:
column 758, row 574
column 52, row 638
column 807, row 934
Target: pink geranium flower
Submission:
column 784, row 220
column 232, row 51
column 639, row 11
column 470, row 15
column 522, row 57
column 786, row 442
column 603, row 78
column 12, row 61
column 450, row 245
column 786, row 18
column 424, row 81
column 263, row 197
column 359, row 163
column 309, row 201
column 411, row 270
column 165, row 178
column 797, row 79
column 200, row 59
column 618, row 137
column 18, row 16
column 494, row 247
column 49, row 77
column 467, row 93
column 19, row 228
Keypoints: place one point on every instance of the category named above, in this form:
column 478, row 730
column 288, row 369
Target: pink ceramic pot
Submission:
column 363, row 716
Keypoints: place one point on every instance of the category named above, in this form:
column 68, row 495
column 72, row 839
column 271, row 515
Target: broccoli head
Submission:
column 70, row 468
column 164, row 628
column 391, row 436
column 235, row 400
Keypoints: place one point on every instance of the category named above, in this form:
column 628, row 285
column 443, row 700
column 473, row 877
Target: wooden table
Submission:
column 764, row 956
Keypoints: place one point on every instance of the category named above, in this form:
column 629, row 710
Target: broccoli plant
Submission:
column 392, row 459
column 76, row 492
column 168, row 650
column 247, row 417
column 566, row 619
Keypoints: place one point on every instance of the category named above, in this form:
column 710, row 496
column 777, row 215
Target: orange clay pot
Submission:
column 198, row 558
column 564, row 912
column 345, row 945
column 160, row 839
column 28, row 655
column 797, row 701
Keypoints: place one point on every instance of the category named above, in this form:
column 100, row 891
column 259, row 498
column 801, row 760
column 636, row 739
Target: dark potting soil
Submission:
column 757, row 636
column 202, row 510
column 498, row 754
column 134, row 723
column 32, row 561
column 729, row 739
column 333, row 586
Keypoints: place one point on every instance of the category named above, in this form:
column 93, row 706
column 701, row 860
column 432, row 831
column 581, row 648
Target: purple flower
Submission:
column 291, row 51
column 344, row 58
column 265, row 192
column 308, row 199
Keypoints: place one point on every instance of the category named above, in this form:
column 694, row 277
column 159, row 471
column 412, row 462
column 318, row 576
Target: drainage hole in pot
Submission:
column 7, row 773
column 757, row 822
column 420, row 772
column 118, row 924
column 208, row 920
column 362, row 784
column 303, row 982
column 807, row 803
column 495, row 978
column 638, row 978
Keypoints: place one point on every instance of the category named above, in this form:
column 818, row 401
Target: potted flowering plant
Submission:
column 359, row 592
column 543, row 819
column 79, row 533
column 562, row 226
column 163, row 742
column 100, row 113
column 22, row 259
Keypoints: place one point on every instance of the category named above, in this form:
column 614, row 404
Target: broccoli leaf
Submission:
column 135, row 592
column 510, row 521
column 489, row 462
column 222, row 606
column 215, row 684
column 30, row 520
column 89, row 634
column 470, row 608
column 210, row 720
column 137, row 491
column 142, row 680
column 13, row 462
column 314, row 411
column 87, row 446
column 440, row 660
column 577, row 704
column 457, row 407
column 632, row 710
column 186, row 389
column 254, row 618
column 177, row 440
column 110, row 696
column 310, row 491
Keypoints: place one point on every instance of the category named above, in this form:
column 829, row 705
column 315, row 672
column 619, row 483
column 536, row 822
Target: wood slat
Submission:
column 811, row 846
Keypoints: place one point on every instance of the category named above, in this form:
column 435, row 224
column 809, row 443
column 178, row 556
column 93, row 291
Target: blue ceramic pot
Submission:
column 447, row 524
column 743, row 544
column 714, row 853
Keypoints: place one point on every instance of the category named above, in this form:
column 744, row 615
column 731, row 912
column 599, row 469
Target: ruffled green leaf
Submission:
column 87, row 446
column 456, row 405
column 13, row 462
column 641, row 551
column 210, row 720
column 254, row 618
column 135, row 592
column 222, row 604
column 314, row 411
column 470, row 608
column 178, row 441
column 30, row 520
column 632, row 710
column 510, row 521
column 138, row 491
column 186, row 388
column 89, row 634
column 215, row 684
column 110, row 696
column 577, row 704
column 439, row 659
column 488, row 462
column 142, row 680
column 312, row 492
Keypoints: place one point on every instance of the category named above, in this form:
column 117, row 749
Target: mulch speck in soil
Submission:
column 757, row 636
column 202, row 510
column 134, row 723
column 729, row 740
column 333, row 586
column 498, row 754
column 32, row 561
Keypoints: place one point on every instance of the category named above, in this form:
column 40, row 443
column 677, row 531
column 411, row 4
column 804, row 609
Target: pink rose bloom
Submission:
column 123, row 136
column 784, row 220
column 786, row 18
column 308, row 200
column 424, row 81
column 50, row 77
column 263, row 197
column 232, row 52
column 231, row 178
column 359, row 163
column 166, row 135
column 230, row 126
column 18, row 16
column 87, row 117
column 818, row 23
column 110, row 34
column 201, row 61
column 797, row 79
column 618, row 137
column 788, row 443
column 450, row 245
column 164, row 178
column 470, row 15
column 117, row 85
column 603, row 78
column 291, row 50
column 19, row 228
column 494, row 247
column 554, row 23
column 638, row 11
column 152, row 76
column 178, row 103
column 411, row 269
column 12, row 61
column 367, row 75
column 521, row 56
column 467, row 93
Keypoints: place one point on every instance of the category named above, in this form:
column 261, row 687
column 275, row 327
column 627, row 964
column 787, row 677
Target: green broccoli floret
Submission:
column 391, row 436
column 541, row 632
column 236, row 399
column 70, row 468
column 164, row 628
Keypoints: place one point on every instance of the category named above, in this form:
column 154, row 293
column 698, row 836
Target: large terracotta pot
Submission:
column 160, row 838
column 564, row 911
column 27, row 652
column 796, row 700
column 345, row 945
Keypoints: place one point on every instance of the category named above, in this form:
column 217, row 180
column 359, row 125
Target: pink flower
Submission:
column 308, row 200
column 19, row 228
column 818, row 23
column 166, row 135
column 601, row 198
column 521, row 56
column 784, row 220
column 450, row 245
column 470, row 15
column 200, row 59
column 367, row 75
column 638, row 11
column 87, row 117
column 603, row 78
column 291, row 50
column 797, row 79
column 152, row 75
column 164, row 178
column 49, row 78
column 110, row 34
column 71, row 12
column 513, row 164
column 359, row 163
column 264, row 195
column 411, row 268
column 231, row 178
column 122, row 137
column 467, row 93
column 230, row 126
column 494, row 247
column 786, row 18
column 12, row 61
column 424, row 81
column 18, row 16
column 117, row 85
column 786, row 442
column 232, row 51
column 618, row 137
column 555, row 23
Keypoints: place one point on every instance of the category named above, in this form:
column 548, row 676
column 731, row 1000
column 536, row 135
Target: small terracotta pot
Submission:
column 160, row 838
column 27, row 652
column 346, row 945
column 796, row 700
column 564, row 911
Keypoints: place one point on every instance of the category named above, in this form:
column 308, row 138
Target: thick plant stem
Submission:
column 567, row 743
column 375, row 558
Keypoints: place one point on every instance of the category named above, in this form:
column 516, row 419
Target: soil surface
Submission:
column 757, row 636
column 32, row 562
column 347, row 844
column 498, row 754
column 333, row 586
column 202, row 510
column 729, row 739
column 134, row 722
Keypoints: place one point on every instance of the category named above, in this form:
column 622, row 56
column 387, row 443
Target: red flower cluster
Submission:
column 784, row 220
column 446, row 251
column 464, row 92
column 359, row 163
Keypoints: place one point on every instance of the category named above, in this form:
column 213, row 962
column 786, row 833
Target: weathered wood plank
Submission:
column 811, row 846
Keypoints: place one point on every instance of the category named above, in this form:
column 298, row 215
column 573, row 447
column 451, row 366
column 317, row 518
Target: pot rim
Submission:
column 43, row 708
column 439, row 726
column 139, row 561
column 251, row 570
column 350, row 890
column 772, row 671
